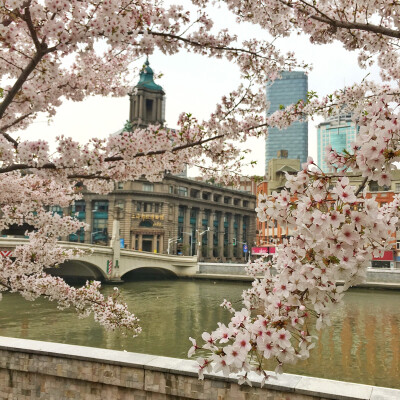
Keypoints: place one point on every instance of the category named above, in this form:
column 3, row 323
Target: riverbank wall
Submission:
column 42, row 370
column 384, row 278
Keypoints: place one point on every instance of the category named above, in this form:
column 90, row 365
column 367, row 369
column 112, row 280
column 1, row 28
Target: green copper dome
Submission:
column 147, row 79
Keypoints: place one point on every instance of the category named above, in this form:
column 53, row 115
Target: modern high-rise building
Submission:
column 338, row 131
column 282, row 92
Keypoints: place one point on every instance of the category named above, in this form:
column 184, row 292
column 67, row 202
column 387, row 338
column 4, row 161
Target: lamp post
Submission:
column 171, row 240
column 199, row 235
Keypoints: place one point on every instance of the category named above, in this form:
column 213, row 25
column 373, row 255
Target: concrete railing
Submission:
column 37, row 370
column 375, row 277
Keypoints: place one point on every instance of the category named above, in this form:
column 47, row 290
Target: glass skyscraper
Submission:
column 338, row 131
column 289, row 90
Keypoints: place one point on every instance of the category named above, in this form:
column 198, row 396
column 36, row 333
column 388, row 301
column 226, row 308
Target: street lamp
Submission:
column 199, row 235
column 172, row 240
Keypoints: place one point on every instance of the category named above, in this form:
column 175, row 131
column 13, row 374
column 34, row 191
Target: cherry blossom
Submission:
column 56, row 49
column 337, row 229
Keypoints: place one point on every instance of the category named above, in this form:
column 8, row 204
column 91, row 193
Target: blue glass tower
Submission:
column 289, row 90
column 337, row 131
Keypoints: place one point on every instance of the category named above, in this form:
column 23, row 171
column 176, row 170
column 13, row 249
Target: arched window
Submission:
column 147, row 223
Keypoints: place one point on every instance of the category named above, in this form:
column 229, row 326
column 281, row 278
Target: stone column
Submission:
column 210, row 234
column 159, row 118
column 156, row 109
column 230, row 236
column 88, row 220
column 239, row 239
column 136, row 115
column 112, row 215
column 141, row 108
column 140, row 244
column 161, row 244
column 199, row 229
column 131, row 107
column 221, row 230
column 127, row 224
column 186, row 229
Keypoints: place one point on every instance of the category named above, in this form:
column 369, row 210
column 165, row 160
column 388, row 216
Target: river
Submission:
column 362, row 345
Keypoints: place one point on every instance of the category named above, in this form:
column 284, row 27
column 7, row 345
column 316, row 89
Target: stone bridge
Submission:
column 111, row 263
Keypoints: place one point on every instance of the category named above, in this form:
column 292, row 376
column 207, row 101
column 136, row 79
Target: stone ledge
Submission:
column 334, row 389
column 83, row 353
column 308, row 387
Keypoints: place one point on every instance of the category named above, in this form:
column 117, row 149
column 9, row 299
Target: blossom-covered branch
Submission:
column 337, row 228
column 53, row 50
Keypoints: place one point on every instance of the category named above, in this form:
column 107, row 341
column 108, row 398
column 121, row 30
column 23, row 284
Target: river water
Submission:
column 362, row 345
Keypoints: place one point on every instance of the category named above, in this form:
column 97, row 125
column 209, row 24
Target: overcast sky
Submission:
column 195, row 84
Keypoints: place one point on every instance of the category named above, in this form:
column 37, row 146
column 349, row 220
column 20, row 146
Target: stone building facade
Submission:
column 176, row 216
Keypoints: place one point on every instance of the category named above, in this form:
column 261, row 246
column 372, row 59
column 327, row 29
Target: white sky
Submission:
column 195, row 84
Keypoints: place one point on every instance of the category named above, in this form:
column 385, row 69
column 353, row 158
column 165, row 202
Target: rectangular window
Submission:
column 373, row 186
column 138, row 206
column 397, row 187
column 99, row 233
column 56, row 210
column 148, row 207
column 148, row 187
column 182, row 191
column 79, row 206
column 171, row 189
column 120, row 185
column 101, row 206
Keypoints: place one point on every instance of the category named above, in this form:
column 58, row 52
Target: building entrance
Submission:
column 147, row 245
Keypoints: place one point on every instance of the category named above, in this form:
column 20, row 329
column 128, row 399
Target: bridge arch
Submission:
column 148, row 273
column 78, row 270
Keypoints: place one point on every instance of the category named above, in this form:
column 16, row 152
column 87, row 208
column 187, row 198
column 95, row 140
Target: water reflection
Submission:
column 362, row 345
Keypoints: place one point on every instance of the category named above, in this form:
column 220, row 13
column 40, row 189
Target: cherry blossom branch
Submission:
column 15, row 122
column 342, row 24
column 52, row 166
column 204, row 45
column 361, row 187
column 20, row 81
